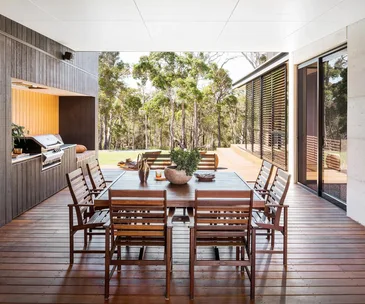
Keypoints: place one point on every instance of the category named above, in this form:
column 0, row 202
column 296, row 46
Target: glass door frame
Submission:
column 320, row 124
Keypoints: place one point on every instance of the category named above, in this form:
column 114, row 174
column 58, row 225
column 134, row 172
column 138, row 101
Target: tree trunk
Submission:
column 195, row 125
column 183, row 131
column 219, row 129
column 133, row 135
column 101, row 133
column 172, row 121
column 161, row 139
column 106, row 132
column 146, row 131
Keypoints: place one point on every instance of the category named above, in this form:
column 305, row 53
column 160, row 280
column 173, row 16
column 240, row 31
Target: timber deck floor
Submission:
column 326, row 262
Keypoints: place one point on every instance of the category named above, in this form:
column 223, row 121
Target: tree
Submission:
column 112, row 71
column 162, row 69
column 255, row 58
column 220, row 90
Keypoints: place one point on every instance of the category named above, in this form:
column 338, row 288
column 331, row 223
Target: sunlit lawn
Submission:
column 109, row 157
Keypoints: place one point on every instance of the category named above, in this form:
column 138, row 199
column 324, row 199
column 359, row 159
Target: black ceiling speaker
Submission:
column 67, row 56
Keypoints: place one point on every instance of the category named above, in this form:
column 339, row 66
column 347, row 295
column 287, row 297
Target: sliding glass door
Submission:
column 334, row 151
column 308, row 126
column 322, row 125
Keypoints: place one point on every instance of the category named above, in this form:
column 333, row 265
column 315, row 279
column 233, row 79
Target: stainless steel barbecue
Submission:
column 50, row 147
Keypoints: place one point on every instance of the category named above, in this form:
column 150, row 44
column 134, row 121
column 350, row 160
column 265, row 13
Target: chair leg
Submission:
column 191, row 263
column 168, row 263
column 119, row 257
column 71, row 247
column 243, row 258
column 71, row 220
column 171, row 262
column 237, row 254
column 107, row 263
column 285, row 236
column 272, row 239
column 85, row 238
column 253, row 265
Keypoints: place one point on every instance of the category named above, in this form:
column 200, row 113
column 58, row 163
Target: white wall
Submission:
column 354, row 35
column 356, row 122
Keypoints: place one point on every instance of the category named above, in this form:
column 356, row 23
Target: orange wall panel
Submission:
column 38, row 113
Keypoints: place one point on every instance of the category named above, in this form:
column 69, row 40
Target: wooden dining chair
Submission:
column 223, row 218
column 156, row 160
column 271, row 219
column 137, row 218
column 262, row 181
column 88, row 219
column 208, row 161
column 96, row 176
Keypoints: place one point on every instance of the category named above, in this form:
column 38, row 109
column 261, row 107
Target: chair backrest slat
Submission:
column 80, row 193
column 277, row 192
column 263, row 178
column 227, row 213
column 138, row 213
column 207, row 162
column 95, row 174
column 157, row 160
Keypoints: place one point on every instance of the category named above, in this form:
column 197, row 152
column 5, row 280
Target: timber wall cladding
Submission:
column 30, row 56
column 38, row 113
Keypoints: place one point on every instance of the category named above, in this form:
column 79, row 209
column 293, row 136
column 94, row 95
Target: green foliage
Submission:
column 186, row 160
column 17, row 132
column 191, row 101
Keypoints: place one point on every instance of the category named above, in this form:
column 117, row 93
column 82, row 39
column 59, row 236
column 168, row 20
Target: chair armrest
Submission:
column 254, row 224
column 80, row 205
column 277, row 205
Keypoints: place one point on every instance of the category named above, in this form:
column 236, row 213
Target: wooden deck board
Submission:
column 326, row 262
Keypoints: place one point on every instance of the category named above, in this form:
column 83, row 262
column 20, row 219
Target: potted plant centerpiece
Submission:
column 18, row 133
column 185, row 163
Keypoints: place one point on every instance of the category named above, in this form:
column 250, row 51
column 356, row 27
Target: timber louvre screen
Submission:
column 266, row 113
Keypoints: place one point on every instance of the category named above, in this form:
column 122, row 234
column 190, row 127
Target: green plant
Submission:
column 17, row 132
column 186, row 160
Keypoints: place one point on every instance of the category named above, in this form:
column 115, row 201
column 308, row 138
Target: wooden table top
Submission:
column 177, row 195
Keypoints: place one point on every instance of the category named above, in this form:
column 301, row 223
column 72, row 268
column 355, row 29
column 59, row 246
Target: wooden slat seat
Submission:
column 137, row 218
column 223, row 218
column 87, row 218
column 270, row 218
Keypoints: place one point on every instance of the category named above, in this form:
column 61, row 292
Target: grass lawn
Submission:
column 109, row 157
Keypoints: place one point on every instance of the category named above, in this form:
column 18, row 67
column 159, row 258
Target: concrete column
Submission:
column 356, row 122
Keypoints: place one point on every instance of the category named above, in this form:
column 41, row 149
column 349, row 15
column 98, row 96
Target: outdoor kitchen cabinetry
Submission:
column 31, row 185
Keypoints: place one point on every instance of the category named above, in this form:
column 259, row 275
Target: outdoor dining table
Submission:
column 177, row 196
column 180, row 196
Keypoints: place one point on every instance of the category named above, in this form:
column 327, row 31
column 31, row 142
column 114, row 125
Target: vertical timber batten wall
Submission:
column 265, row 128
column 30, row 56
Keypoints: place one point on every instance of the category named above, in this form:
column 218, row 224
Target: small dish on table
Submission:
column 159, row 176
column 205, row 177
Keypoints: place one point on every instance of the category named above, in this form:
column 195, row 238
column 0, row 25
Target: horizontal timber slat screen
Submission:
column 265, row 131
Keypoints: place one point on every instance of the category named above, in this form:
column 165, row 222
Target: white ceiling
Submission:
column 184, row 25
